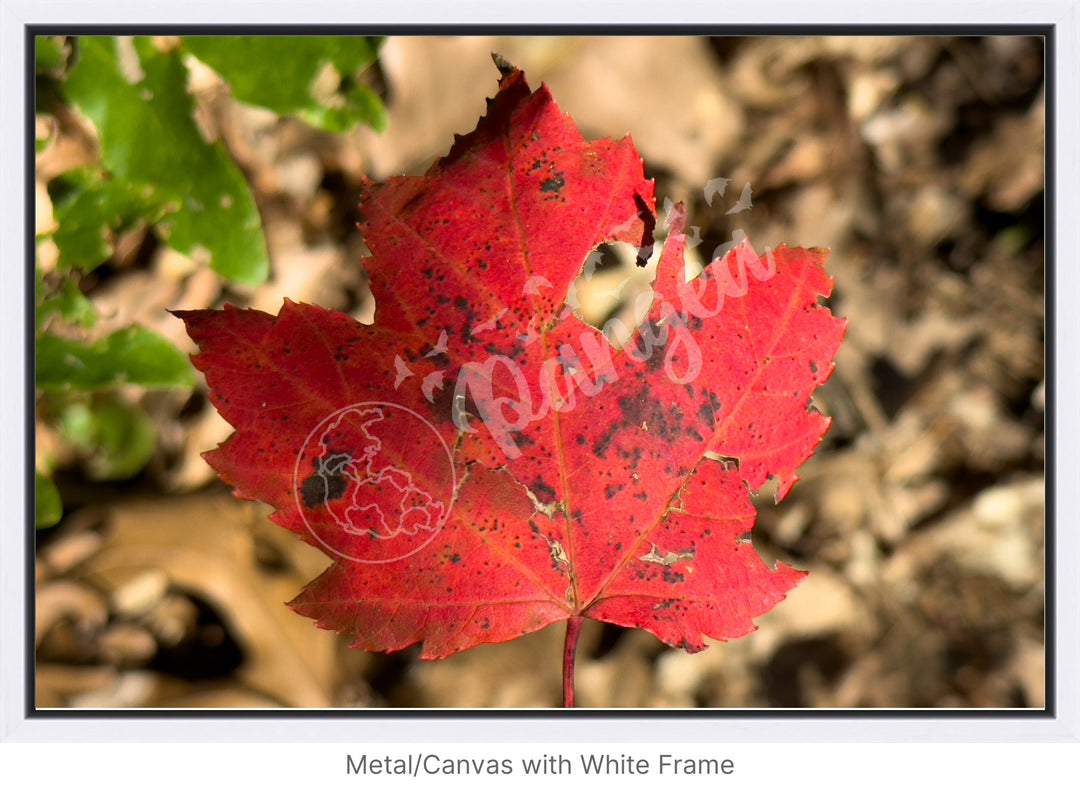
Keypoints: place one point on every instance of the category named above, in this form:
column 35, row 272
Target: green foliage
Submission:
column 157, row 171
column 114, row 439
column 148, row 136
column 310, row 77
column 50, row 54
column 157, row 167
column 91, row 208
column 47, row 506
column 132, row 355
column 67, row 302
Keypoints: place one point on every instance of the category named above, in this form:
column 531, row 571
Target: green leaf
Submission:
column 90, row 208
column 47, row 505
column 114, row 438
column 148, row 135
column 289, row 75
column 132, row 355
column 50, row 54
column 70, row 304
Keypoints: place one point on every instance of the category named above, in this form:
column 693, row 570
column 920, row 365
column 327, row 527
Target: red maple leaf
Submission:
column 481, row 463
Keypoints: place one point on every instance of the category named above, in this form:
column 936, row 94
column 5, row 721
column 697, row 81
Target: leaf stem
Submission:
column 573, row 631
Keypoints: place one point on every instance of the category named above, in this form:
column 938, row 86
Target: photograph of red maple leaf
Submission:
column 533, row 397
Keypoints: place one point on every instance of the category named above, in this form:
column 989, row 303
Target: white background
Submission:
column 845, row 756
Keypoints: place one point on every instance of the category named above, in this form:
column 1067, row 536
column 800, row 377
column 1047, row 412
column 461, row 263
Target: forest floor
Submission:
column 917, row 161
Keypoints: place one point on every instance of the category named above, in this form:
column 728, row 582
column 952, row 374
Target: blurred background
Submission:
column 918, row 161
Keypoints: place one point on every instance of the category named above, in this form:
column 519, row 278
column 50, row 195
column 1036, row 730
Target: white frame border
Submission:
column 1064, row 15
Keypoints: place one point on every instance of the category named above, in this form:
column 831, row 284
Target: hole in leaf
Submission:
column 612, row 293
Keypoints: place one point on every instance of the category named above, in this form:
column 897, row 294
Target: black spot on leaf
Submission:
column 707, row 411
column 602, row 443
column 542, row 490
column 317, row 490
column 522, row 440
column 553, row 185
